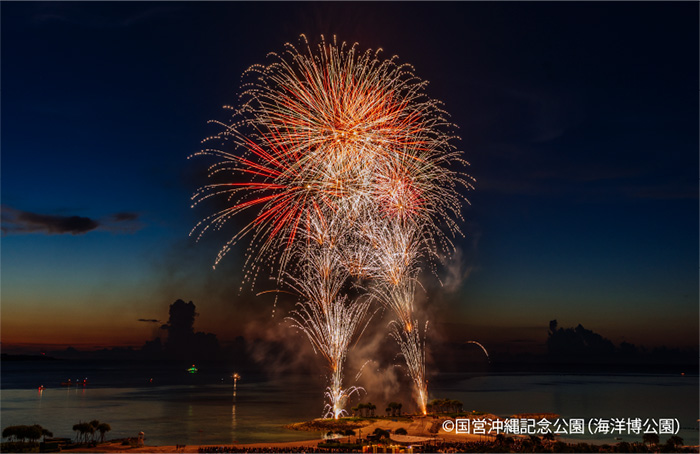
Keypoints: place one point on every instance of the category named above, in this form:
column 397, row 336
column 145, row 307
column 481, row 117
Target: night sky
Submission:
column 580, row 121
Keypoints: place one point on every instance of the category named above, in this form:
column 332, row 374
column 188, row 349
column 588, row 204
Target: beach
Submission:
column 413, row 433
column 417, row 427
column 119, row 447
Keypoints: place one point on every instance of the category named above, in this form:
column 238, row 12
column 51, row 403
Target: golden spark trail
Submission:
column 346, row 168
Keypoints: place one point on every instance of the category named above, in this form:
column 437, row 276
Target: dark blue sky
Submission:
column 580, row 121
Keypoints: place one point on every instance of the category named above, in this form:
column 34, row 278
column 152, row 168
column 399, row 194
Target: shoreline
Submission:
column 117, row 447
column 416, row 426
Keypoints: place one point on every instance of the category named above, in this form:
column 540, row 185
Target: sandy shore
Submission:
column 118, row 447
column 420, row 427
column 413, row 426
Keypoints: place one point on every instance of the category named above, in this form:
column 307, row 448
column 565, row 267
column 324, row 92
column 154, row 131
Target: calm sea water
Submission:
column 181, row 408
column 584, row 396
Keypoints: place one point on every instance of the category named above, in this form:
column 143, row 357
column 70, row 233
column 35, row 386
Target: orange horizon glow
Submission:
column 64, row 327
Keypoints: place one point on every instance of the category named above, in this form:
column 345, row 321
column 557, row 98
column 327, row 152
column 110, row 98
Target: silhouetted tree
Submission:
column 84, row 429
column 623, row 446
column 33, row 433
column 94, row 424
column 394, row 408
column 371, row 407
column 103, row 428
column 444, row 406
column 22, row 432
column 650, row 439
column 46, row 433
column 381, row 433
column 674, row 441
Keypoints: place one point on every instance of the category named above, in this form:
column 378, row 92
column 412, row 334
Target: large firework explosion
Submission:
column 345, row 164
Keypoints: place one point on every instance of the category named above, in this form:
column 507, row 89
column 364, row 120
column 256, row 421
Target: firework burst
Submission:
column 344, row 164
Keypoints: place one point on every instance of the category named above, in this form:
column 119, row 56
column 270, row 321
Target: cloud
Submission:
column 95, row 18
column 149, row 320
column 124, row 216
column 16, row 221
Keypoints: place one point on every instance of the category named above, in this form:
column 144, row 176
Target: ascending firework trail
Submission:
column 345, row 166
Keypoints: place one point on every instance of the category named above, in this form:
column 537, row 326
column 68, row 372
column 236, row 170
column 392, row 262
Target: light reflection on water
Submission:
column 207, row 410
column 204, row 414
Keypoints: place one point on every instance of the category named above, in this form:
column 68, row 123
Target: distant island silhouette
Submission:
column 567, row 349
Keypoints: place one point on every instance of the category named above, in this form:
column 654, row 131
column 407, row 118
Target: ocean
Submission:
column 172, row 406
